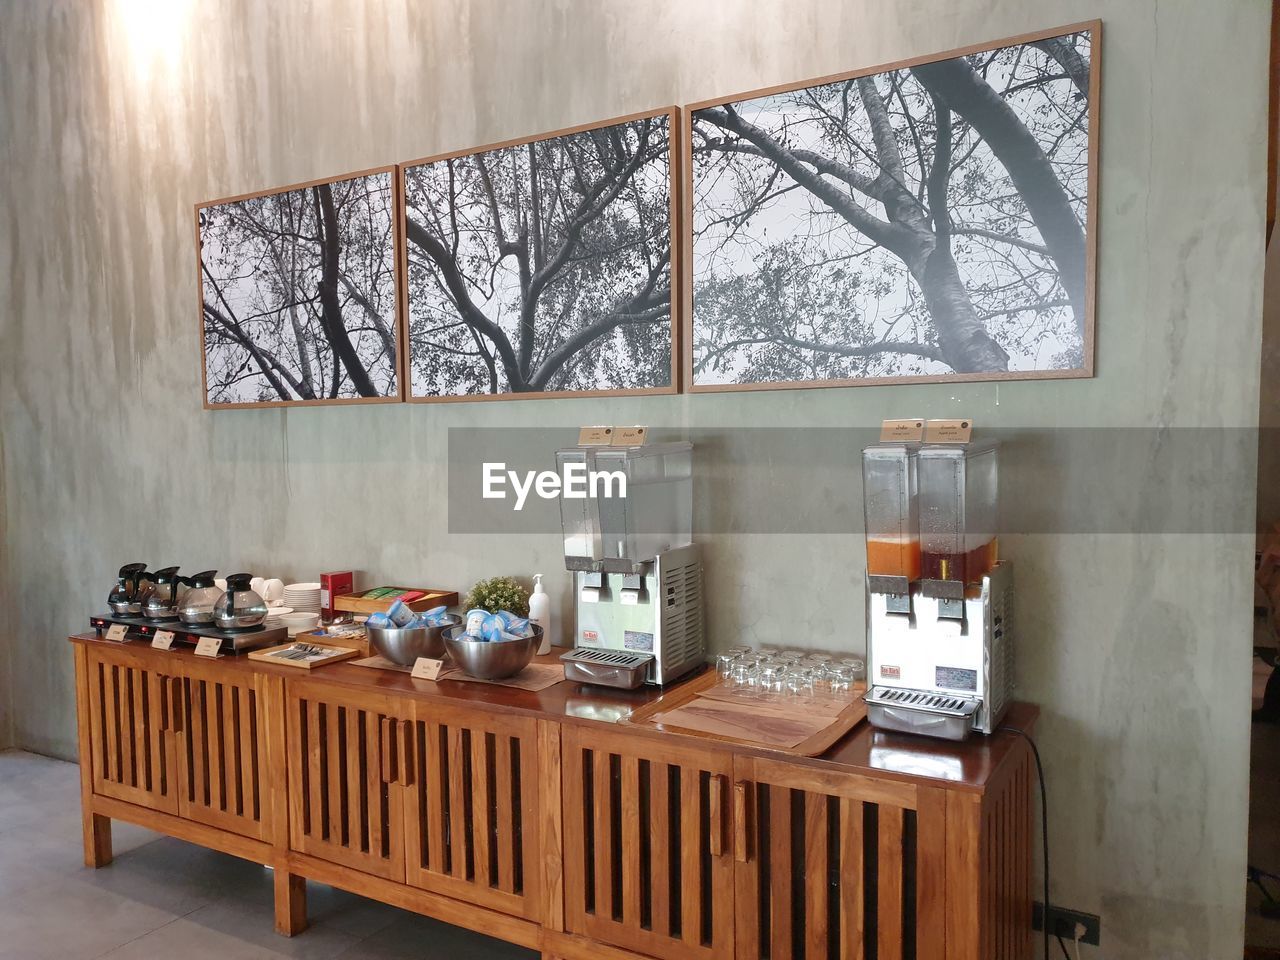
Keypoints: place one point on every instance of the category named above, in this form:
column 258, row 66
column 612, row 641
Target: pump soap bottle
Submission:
column 540, row 613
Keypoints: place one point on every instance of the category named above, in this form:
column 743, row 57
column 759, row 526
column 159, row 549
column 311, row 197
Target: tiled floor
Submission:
column 163, row 898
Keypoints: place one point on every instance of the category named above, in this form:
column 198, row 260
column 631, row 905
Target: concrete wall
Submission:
column 7, row 636
column 115, row 117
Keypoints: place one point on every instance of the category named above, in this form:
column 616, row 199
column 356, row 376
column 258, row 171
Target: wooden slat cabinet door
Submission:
column 221, row 736
column 647, row 862
column 345, row 805
column 131, row 713
column 835, row 864
column 472, row 806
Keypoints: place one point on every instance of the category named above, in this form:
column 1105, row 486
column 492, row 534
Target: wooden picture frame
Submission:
column 1086, row 366
column 391, row 326
column 674, row 179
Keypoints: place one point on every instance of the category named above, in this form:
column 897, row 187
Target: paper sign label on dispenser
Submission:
column 629, row 436
column 901, row 431
column 948, row 431
column 163, row 640
column 595, row 436
column 117, row 632
column 208, row 647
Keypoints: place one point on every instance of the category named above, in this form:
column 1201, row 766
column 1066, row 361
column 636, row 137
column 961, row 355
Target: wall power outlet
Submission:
column 1062, row 923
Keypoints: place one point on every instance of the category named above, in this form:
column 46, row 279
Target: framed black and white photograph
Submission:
column 932, row 219
column 543, row 267
column 299, row 294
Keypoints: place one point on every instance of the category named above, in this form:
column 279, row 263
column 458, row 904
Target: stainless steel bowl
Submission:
column 406, row 646
column 490, row 660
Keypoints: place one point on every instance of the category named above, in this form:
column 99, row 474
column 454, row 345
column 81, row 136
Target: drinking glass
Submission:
column 841, row 678
column 773, row 676
column 740, row 650
column 743, row 677
column 792, row 655
column 858, row 665
column 724, row 664
column 800, row 683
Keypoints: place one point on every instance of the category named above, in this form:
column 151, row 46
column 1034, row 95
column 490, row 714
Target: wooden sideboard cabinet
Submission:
column 547, row 820
column 442, row 798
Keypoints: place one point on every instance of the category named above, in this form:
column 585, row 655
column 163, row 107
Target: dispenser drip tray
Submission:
column 607, row 668
column 921, row 711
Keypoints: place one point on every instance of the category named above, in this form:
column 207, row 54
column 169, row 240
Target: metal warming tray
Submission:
column 921, row 712
column 607, row 668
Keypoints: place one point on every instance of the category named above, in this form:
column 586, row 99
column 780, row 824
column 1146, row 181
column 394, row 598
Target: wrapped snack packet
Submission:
column 475, row 621
column 514, row 627
column 400, row 613
column 492, row 628
column 379, row 620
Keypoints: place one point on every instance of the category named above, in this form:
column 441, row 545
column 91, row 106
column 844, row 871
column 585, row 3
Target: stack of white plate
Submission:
column 302, row 597
column 273, row 617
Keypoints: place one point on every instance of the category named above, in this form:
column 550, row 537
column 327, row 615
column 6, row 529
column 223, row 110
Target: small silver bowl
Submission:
column 406, row 646
column 490, row 660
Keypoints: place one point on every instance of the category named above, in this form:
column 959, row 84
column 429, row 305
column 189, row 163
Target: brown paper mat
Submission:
column 747, row 721
column 534, row 677
column 824, row 706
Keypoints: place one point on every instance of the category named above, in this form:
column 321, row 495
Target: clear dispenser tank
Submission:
column 577, row 516
column 889, row 503
column 657, row 512
column 958, row 521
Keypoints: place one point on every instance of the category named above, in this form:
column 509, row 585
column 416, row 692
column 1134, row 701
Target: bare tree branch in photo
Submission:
column 948, row 197
column 299, row 294
column 956, row 83
column 552, row 258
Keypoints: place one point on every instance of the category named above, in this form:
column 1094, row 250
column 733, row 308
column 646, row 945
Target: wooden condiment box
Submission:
column 357, row 603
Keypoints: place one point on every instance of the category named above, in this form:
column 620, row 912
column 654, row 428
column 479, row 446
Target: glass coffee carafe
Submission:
column 197, row 603
column 123, row 598
column 240, row 607
column 160, row 597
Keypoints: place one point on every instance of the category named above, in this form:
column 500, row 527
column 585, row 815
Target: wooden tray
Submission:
column 704, row 708
column 336, row 654
column 357, row 640
column 357, row 603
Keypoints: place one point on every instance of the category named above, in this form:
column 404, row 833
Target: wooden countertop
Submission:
column 969, row 765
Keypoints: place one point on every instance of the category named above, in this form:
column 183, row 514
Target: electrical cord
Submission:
column 1044, row 836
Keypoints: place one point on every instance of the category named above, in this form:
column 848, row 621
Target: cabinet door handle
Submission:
column 742, row 827
column 715, row 801
column 165, row 704
column 386, row 756
column 404, row 755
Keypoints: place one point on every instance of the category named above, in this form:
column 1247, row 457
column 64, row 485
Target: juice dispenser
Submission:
column 957, row 516
column 656, row 513
column 940, row 658
column 889, row 504
column 638, row 608
column 582, row 550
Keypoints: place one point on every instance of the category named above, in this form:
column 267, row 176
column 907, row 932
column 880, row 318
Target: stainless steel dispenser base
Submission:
column 659, row 612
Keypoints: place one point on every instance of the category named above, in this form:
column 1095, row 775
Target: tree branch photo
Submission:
column 926, row 221
column 543, row 267
column 299, row 297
